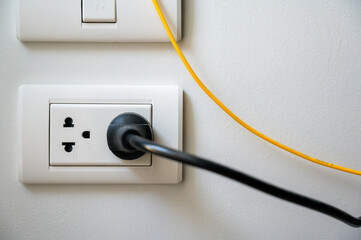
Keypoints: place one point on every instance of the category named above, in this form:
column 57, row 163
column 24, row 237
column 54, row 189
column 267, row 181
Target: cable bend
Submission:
column 234, row 116
column 145, row 145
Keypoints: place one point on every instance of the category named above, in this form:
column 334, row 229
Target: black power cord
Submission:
column 145, row 145
column 132, row 139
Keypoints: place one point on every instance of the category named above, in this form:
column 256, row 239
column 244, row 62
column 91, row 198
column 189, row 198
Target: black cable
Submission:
column 129, row 136
column 145, row 145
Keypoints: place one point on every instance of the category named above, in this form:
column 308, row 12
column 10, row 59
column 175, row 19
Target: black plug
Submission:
column 121, row 128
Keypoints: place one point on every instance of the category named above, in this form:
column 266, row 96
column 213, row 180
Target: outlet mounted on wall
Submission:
column 78, row 134
column 70, row 126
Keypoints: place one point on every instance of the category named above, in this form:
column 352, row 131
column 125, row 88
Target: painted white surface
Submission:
column 289, row 68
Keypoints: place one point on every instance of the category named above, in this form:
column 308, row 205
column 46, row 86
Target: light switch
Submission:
column 99, row 11
column 96, row 20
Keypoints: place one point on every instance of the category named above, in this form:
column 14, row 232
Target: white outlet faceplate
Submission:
column 86, row 134
column 96, row 20
column 44, row 127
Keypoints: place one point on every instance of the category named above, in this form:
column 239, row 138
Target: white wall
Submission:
column 290, row 68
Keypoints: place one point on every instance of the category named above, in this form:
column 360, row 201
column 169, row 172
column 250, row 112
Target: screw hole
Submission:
column 86, row 134
column 68, row 122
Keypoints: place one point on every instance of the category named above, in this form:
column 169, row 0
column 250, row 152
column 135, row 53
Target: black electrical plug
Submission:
column 121, row 128
column 130, row 136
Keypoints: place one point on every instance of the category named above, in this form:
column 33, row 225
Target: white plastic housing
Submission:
column 95, row 11
column 34, row 135
column 62, row 21
column 94, row 119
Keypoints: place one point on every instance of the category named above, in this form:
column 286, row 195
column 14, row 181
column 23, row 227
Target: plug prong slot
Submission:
column 68, row 122
column 68, row 146
column 86, row 134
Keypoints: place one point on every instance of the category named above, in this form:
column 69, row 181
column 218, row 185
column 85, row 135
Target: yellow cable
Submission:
column 234, row 116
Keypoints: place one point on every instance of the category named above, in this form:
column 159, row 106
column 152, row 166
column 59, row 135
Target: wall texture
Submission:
column 290, row 68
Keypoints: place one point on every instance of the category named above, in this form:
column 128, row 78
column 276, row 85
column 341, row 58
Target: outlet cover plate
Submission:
column 34, row 130
column 94, row 119
column 61, row 21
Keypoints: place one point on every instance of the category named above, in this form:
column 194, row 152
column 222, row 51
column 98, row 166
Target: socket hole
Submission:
column 86, row 134
column 68, row 146
column 68, row 122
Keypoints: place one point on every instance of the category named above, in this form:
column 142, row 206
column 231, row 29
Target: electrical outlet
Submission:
column 63, row 133
column 78, row 134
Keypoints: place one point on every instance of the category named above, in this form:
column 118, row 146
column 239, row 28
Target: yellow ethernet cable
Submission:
column 234, row 116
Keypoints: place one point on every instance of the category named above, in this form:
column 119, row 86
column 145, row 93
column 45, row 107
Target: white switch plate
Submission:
column 35, row 103
column 61, row 21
